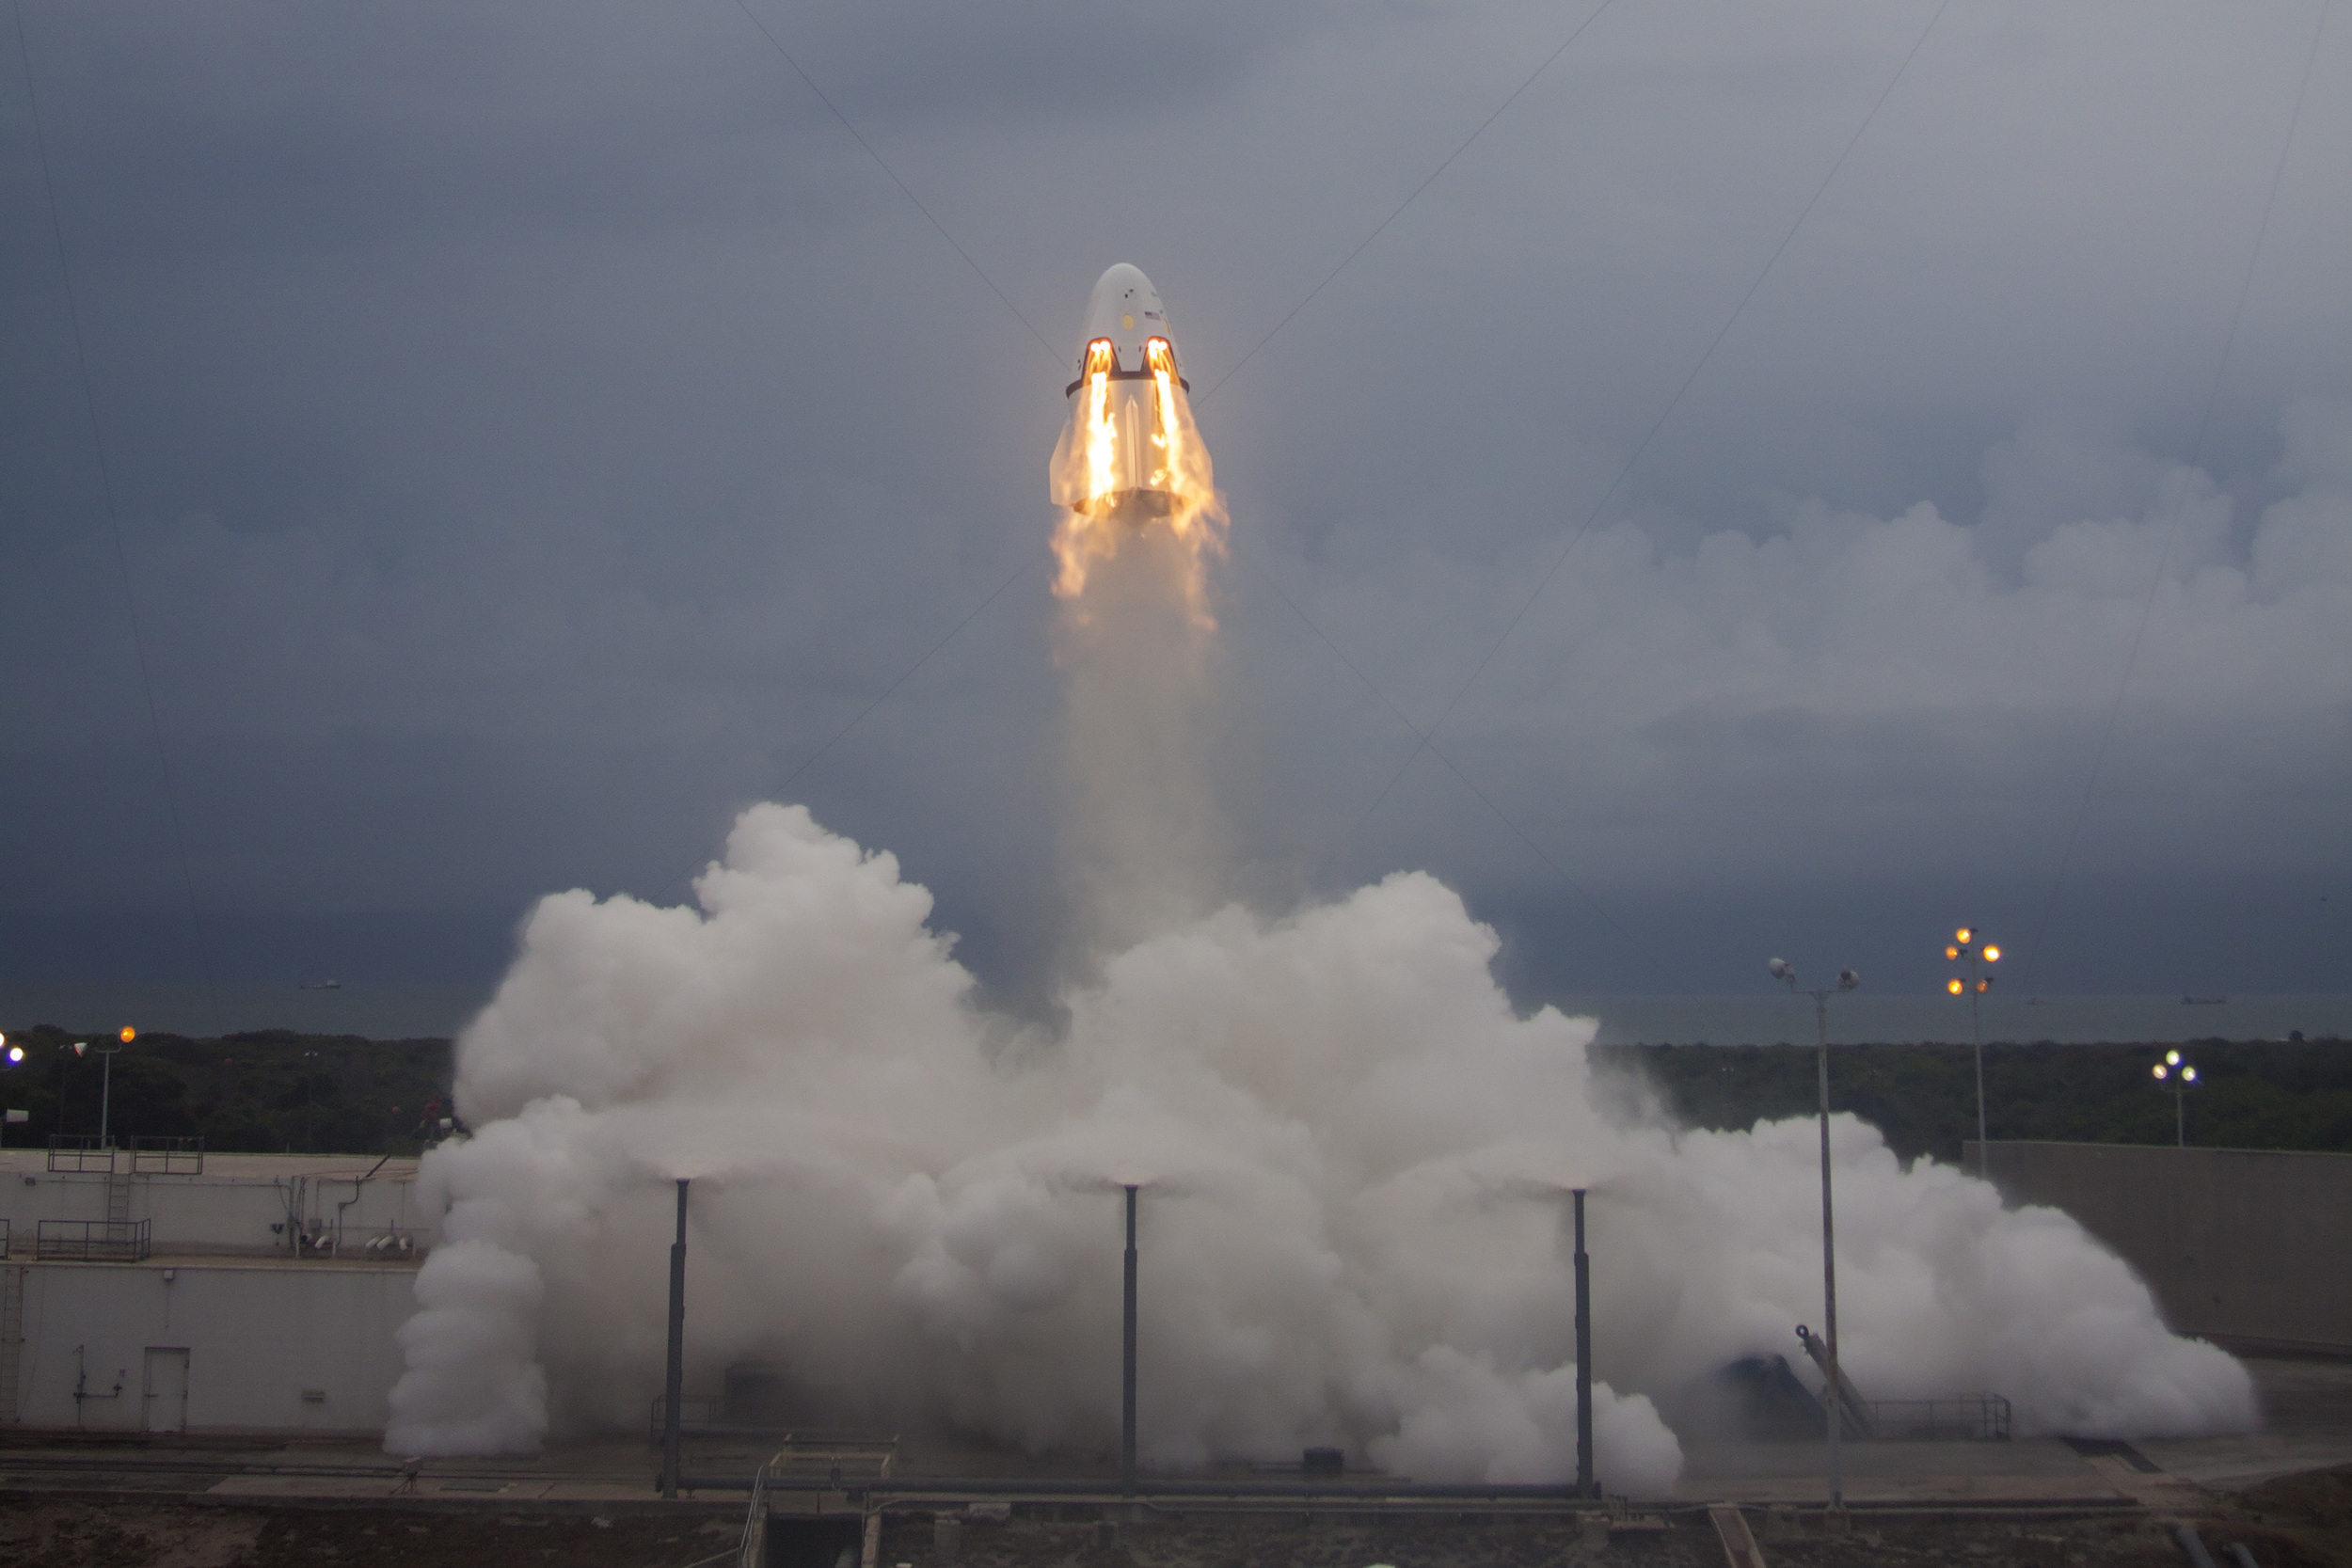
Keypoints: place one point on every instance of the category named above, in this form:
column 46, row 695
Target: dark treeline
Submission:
column 267, row 1092
column 2257, row 1095
column 274, row 1091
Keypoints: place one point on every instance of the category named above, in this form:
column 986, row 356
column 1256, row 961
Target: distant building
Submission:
column 160, row 1288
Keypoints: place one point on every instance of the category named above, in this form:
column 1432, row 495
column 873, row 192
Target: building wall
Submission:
column 257, row 1334
column 2250, row 1248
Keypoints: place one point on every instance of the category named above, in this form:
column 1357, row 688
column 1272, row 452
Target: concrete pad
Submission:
column 2028, row 1470
column 2307, row 1425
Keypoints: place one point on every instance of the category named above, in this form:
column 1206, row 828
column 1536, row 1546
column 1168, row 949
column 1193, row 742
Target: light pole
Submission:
column 107, row 1083
column 2179, row 1075
column 1127, row 1360
column 309, row 1093
column 11, row 1056
column 1964, row 947
column 1835, row 1398
column 674, row 1373
column 1585, row 1485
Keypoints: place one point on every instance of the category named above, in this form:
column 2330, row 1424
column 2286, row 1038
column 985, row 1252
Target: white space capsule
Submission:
column 1129, row 449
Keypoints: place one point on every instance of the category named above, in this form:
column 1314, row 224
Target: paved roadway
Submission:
column 2308, row 1405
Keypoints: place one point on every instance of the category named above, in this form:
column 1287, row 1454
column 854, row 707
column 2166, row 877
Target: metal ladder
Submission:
column 11, row 1338
column 118, row 1204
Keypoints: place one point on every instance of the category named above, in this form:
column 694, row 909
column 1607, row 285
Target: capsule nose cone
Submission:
column 1126, row 308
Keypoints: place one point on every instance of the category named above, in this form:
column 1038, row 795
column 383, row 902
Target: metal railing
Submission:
column 829, row 1463
column 167, row 1156
column 94, row 1241
column 698, row 1415
column 80, row 1153
column 1976, row 1417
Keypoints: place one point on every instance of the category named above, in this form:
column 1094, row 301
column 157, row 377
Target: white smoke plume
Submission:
column 1143, row 845
column 1352, row 1146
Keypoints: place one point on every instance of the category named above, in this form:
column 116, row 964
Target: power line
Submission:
column 884, row 165
column 114, row 525
column 2180, row 502
column 1382, row 226
column 1028, row 564
column 1484, row 799
column 1544, row 582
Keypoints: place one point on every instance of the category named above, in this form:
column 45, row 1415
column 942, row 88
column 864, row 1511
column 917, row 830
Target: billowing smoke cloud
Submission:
column 1352, row 1147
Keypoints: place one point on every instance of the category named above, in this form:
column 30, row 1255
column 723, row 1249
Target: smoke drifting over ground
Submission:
column 1352, row 1140
column 1353, row 1152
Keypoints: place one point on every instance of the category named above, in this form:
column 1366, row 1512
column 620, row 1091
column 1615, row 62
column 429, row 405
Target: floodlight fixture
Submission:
column 127, row 1035
column 1782, row 970
column 1848, row 979
column 16, row 1053
column 1964, row 934
column 1952, row 952
column 2176, row 1075
column 1992, row 954
column 1953, row 985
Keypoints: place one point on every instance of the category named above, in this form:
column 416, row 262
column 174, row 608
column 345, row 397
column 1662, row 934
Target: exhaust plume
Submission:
column 1357, row 1145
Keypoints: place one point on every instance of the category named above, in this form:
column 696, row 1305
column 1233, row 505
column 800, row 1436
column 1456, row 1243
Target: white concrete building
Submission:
column 157, row 1289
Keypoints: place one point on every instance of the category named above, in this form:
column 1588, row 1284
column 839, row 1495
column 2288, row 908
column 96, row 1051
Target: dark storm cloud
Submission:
column 537, row 430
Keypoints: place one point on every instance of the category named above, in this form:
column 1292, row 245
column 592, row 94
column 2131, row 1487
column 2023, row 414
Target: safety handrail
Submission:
column 94, row 1241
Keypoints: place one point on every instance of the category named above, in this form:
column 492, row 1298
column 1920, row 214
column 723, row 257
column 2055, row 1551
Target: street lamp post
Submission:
column 1834, row 1399
column 11, row 1056
column 1968, row 947
column 2179, row 1075
column 1585, row 1484
column 1127, row 1358
column 106, row 1081
column 674, row 1372
column 309, row 1094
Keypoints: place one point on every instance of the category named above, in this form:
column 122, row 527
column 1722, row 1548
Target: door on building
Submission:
column 167, row 1389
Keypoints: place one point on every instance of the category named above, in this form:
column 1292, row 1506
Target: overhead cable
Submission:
column 113, row 528
column 2180, row 498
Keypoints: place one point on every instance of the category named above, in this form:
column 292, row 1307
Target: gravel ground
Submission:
column 2298, row 1522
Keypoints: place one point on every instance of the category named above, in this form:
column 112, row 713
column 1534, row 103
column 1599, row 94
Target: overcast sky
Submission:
column 535, row 429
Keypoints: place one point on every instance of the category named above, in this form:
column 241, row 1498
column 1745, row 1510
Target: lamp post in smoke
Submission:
column 1127, row 1358
column 1968, row 947
column 1585, row 1484
column 673, row 1388
column 1834, row 1399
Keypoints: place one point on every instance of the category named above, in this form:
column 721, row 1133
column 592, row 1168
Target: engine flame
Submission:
column 1130, row 459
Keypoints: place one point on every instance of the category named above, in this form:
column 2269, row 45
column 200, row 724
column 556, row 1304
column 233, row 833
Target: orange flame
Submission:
column 1131, row 458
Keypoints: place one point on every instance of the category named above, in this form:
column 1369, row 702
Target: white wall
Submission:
column 256, row 1332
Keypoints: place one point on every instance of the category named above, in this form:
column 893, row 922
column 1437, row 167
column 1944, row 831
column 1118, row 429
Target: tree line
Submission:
column 274, row 1091
column 2248, row 1094
column 266, row 1092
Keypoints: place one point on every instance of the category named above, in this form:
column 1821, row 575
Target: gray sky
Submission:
column 535, row 429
